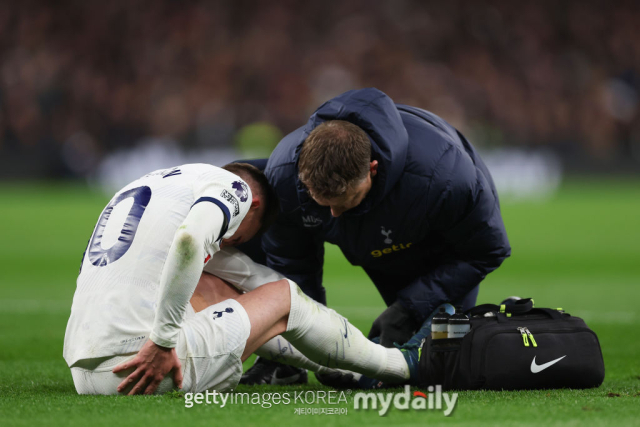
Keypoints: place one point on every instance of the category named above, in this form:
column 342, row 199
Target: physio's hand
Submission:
column 395, row 324
column 152, row 363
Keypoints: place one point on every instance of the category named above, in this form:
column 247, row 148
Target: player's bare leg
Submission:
column 212, row 290
column 266, row 313
column 267, row 307
column 320, row 335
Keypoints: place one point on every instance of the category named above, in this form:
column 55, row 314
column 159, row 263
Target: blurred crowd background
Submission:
column 82, row 80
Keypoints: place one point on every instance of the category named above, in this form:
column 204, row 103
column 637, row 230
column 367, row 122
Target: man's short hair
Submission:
column 260, row 185
column 335, row 157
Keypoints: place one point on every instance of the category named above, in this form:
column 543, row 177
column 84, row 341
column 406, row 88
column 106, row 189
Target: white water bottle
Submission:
column 459, row 324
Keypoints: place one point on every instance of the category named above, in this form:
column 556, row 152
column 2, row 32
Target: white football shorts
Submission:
column 210, row 347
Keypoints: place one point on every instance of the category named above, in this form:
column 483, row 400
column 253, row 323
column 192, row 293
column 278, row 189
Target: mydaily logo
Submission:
column 403, row 401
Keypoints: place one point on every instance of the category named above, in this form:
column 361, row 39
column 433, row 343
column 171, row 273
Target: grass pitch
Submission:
column 579, row 250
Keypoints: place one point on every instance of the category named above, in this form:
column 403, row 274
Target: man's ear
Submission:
column 255, row 203
column 373, row 167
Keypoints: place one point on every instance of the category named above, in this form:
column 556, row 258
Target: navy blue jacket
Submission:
column 429, row 230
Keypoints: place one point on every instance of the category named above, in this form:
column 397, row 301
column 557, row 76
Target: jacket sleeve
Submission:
column 296, row 253
column 462, row 207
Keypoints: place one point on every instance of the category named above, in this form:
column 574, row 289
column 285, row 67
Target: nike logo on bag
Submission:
column 539, row 368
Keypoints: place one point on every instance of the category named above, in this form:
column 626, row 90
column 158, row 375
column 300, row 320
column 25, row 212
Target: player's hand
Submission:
column 393, row 325
column 152, row 363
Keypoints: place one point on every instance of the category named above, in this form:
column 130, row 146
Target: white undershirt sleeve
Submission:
column 194, row 240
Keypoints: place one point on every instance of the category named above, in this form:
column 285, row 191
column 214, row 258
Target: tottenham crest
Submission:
column 386, row 233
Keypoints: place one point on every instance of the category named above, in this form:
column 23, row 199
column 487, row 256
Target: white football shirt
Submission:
column 117, row 292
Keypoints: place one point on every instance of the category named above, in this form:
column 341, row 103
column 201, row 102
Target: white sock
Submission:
column 329, row 339
column 280, row 350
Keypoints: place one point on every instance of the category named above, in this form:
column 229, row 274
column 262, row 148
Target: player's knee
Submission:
column 279, row 294
column 283, row 287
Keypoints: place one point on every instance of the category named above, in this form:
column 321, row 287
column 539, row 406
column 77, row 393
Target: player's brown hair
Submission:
column 260, row 187
column 334, row 157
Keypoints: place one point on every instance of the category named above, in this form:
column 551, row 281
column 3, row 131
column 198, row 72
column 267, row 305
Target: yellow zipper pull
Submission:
column 524, row 336
column 531, row 337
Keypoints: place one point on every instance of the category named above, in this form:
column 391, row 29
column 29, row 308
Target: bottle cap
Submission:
column 459, row 317
column 441, row 317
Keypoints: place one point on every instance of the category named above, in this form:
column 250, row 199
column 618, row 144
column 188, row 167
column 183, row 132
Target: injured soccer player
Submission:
column 275, row 320
column 146, row 319
column 289, row 326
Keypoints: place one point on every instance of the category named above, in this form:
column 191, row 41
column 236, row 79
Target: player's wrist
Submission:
column 163, row 343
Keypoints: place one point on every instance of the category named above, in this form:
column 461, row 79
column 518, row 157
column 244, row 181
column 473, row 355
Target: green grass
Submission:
column 579, row 250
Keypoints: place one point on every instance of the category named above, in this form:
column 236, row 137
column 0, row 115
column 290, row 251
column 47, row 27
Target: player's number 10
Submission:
column 101, row 257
